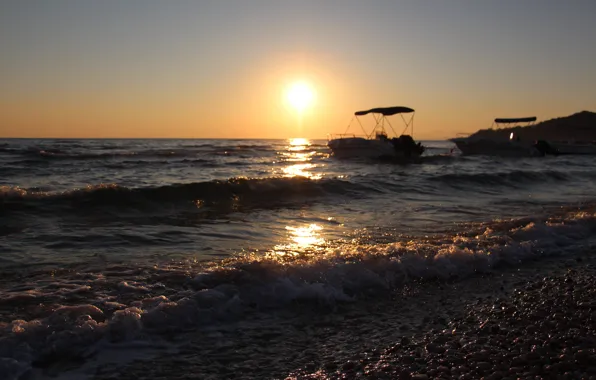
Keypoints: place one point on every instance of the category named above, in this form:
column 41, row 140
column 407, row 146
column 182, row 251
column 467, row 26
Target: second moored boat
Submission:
column 492, row 142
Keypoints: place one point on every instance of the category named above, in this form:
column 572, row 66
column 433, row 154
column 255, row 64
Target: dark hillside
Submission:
column 579, row 126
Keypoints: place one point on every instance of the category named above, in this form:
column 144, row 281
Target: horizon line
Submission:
column 176, row 138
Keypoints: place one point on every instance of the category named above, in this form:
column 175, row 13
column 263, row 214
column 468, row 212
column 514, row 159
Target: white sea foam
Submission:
column 130, row 310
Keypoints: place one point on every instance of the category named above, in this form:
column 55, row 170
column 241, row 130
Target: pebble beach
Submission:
column 536, row 321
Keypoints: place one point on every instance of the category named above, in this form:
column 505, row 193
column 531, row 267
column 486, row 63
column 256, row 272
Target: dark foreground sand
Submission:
column 532, row 322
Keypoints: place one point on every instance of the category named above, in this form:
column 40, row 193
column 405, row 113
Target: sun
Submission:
column 300, row 95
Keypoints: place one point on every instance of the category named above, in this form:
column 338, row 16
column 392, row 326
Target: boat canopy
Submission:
column 385, row 111
column 517, row 120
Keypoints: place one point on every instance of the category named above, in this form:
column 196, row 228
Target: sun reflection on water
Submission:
column 306, row 236
column 298, row 157
column 299, row 141
column 302, row 240
column 301, row 170
column 299, row 152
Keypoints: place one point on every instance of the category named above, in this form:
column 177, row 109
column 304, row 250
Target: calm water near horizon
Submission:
column 113, row 229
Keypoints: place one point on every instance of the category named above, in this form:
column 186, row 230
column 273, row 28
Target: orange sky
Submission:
column 219, row 70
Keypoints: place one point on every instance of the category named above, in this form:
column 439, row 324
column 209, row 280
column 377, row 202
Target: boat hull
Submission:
column 357, row 147
column 571, row 148
column 496, row 148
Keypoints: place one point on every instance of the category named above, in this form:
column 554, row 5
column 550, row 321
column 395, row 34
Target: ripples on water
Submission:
column 114, row 239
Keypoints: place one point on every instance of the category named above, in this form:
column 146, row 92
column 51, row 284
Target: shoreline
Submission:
column 355, row 340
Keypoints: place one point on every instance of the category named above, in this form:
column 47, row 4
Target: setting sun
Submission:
column 300, row 95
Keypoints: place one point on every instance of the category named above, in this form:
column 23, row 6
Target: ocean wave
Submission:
column 235, row 191
column 440, row 159
column 107, row 152
column 111, row 155
column 60, row 154
column 124, row 164
column 127, row 304
column 41, row 153
column 511, row 178
column 7, row 171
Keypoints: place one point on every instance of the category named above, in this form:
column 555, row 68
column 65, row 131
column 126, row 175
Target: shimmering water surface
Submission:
column 64, row 201
column 116, row 239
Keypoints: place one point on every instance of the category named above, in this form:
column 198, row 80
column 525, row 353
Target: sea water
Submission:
column 121, row 241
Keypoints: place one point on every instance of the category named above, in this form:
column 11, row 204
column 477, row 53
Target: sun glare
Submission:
column 300, row 95
column 299, row 141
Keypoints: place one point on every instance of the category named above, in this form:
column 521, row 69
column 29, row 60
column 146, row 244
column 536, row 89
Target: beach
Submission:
column 531, row 322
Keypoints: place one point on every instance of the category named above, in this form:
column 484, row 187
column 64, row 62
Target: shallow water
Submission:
column 116, row 240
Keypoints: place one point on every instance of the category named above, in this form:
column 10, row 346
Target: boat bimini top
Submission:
column 518, row 120
column 380, row 116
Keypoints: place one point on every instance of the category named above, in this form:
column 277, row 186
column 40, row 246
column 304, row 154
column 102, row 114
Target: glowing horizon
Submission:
column 143, row 69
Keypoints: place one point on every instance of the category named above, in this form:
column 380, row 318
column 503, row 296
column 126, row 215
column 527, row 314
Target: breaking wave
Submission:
column 77, row 313
column 238, row 190
column 108, row 153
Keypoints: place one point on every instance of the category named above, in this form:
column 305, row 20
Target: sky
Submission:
column 221, row 68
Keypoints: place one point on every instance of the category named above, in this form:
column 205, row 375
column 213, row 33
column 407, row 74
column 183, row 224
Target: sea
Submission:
column 127, row 240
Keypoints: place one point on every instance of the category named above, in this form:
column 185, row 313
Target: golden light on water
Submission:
column 301, row 240
column 307, row 236
column 298, row 154
column 301, row 170
column 299, row 141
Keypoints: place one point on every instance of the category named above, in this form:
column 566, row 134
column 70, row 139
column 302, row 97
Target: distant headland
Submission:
column 579, row 126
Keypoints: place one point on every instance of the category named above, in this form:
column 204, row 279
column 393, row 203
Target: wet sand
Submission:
column 518, row 322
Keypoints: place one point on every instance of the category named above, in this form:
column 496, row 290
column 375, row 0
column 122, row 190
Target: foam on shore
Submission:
column 92, row 309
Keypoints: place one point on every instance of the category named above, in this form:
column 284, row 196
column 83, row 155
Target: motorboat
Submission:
column 377, row 143
column 573, row 147
column 497, row 144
